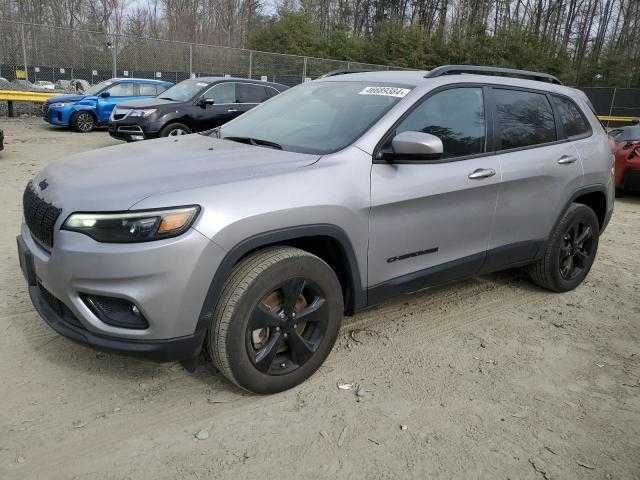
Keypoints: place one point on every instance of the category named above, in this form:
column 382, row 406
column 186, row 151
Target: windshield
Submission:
column 98, row 87
column 185, row 90
column 316, row 117
column 626, row 134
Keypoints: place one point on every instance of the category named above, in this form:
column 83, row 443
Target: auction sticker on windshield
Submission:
column 385, row 91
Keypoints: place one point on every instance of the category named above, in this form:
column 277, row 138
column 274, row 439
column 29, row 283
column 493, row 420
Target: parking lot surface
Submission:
column 487, row 378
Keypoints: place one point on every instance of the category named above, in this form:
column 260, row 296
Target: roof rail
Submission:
column 333, row 73
column 481, row 70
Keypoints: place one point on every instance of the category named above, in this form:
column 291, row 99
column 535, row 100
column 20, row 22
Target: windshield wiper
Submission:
column 255, row 141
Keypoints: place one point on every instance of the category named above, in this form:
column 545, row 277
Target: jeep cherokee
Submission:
column 250, row 243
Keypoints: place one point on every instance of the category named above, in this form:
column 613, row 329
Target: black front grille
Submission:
column 39, row 215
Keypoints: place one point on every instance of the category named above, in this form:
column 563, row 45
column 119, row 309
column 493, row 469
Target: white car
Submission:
column 44, row 85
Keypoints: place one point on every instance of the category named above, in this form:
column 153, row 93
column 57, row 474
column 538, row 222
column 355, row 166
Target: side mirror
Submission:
column 203, row 102
column 105, row 94
column 415, row 146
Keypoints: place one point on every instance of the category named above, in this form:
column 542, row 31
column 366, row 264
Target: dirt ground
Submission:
column 488, row 378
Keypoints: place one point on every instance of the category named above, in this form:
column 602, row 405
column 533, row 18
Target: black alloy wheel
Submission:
column 276, row 320
column 287, row 326
column 569, row 252
column 577, row 250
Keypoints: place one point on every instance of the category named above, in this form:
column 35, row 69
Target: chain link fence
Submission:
column 615, row 102
column 32, row 53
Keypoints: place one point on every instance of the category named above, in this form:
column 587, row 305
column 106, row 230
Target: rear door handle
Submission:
column 231, row 110
column 482, row 173
column 567, row 159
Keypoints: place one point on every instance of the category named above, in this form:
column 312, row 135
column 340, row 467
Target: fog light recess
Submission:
column 116, row 312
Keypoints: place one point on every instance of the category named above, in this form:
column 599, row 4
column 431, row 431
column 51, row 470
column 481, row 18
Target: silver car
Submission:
column 250, row 243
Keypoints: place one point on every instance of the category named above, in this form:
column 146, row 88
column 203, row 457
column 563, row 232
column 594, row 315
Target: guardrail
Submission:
column 11, row 96
column 614, row 118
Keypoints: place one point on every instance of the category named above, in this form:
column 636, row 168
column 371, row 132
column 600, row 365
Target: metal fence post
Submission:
column 304, row 69
column 613, row 100
column 190, row 60
column 114, row 56
column 24, row 52
column 250, row 63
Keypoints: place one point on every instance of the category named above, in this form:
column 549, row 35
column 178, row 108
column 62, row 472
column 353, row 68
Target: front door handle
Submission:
column 232, row 110
column 567, row 159
column 482, row 173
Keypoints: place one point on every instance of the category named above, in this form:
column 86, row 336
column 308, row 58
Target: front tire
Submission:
column 276, row 321
column 82, row 122
column 174, row 130
column 570, row 251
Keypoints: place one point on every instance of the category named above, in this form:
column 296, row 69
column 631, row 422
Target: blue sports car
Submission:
column 93, row 107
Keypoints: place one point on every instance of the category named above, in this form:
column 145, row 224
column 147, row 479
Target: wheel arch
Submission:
column 83, row 109
column 175, row 118
column 595, row 197
column 327, row 241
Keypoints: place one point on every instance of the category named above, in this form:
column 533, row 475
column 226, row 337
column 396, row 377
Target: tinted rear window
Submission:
column 569, row 115
column 248, row 93
column 523, row 119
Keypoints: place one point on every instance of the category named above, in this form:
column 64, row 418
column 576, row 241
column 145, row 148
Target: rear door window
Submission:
column 148, row 89
column 456, row 116
column 124, row 89
column 248, row 93
column 523, row 119
column 570, row 117
column 222, row 93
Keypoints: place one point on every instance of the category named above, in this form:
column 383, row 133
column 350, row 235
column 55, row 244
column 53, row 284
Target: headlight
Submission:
column 59, row 104
column 143, row 113
column 129, row 227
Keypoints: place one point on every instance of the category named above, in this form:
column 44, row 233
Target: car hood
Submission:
column 147, row 103
column 66, row 98
column 115, row 178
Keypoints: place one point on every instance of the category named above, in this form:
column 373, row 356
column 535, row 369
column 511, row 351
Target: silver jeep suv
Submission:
column 250, row 243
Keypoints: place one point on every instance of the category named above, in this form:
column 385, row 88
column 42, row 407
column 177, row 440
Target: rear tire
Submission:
column 82, row 122
column 570, row 251
column 276, row 321
column 175, row 129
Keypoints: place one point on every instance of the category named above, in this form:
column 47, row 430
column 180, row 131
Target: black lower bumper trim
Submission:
column 174, row 349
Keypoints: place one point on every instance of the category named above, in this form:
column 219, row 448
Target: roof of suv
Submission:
column 419, row 78
column 150, row 80
column 237, row 79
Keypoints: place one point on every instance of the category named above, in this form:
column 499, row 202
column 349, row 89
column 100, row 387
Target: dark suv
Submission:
column 190, row 106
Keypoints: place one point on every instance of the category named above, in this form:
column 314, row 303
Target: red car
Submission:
column 625, row 143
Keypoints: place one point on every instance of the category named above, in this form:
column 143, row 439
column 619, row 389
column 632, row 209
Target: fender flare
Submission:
column 274, row 237
column 173, row 117
column 600, row 188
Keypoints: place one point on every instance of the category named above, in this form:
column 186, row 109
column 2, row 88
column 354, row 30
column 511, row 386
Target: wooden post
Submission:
column 10, row 109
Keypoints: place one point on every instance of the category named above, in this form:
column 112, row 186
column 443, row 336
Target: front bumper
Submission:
column 56, row 115
column 166, row 279
column 132, row 129
column 67, row 325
